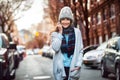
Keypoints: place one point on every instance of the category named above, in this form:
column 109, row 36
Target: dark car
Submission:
column 7, row 61
column 111, row 60
column 17, row 58
column 47, row 51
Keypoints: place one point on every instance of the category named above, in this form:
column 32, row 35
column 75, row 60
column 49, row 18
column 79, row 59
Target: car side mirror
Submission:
column 117, row 50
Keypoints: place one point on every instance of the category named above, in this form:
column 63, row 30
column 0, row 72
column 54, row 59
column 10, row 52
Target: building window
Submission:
column 92, row 1
column 106, row 37
column 98, row 0
column 114, row 34
column 71, row 2
column 95, row 41
column 91, row 20
column 100, row 39
column 94, row 19
column 104, row 14
column 88, row 5
column 76, row 0
column 98, row 18
column 112, row 10
column 61, row 1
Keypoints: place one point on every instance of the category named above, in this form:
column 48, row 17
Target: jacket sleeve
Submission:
column 80, row 48
column 56, row 39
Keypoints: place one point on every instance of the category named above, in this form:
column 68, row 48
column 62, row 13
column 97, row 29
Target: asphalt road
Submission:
column 35, row 67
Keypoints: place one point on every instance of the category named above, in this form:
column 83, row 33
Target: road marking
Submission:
column 26, row 76
column 41, row 77
column 26, row 79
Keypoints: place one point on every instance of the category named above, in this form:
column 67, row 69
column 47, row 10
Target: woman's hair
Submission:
column 55, row 30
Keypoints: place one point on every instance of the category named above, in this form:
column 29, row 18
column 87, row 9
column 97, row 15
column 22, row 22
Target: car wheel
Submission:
column 104, row 72
column 117, row 74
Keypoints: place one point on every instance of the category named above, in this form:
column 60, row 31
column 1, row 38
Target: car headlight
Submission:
column 99, row 55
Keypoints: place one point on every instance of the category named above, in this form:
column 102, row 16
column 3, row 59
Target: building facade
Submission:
column 104, row 20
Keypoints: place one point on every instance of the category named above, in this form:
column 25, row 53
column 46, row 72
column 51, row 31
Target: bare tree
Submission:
column 81, row 7
column 9, row 9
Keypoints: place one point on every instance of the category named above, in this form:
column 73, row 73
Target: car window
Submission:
column 0, row 42
column 4, row 42
column 118, row 43
column 112, row 47
column 90, row 48
column 102, row 46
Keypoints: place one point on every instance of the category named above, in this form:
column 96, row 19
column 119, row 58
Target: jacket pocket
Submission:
column 75, row 74
column 59, row 75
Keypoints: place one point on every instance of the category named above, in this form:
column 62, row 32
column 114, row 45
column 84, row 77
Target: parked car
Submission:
column 47, row 51
column 51, row 52
column 13, row 49
column 93, row 58
column 7, row 61
column 21, row 51
column 111, row 60
column 88, row 48
column 36, row 51
column 29, row 52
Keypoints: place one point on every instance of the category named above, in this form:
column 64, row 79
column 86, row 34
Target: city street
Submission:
column 28, row 29
column 35, row 67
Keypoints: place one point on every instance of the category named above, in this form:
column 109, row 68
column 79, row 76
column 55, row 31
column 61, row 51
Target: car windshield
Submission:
column 119, row 43
column 88, row 48
column 102, row 46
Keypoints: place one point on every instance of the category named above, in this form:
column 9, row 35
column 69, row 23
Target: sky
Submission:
column 32, row 16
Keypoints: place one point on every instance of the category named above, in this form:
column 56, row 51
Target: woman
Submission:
column 67, row 42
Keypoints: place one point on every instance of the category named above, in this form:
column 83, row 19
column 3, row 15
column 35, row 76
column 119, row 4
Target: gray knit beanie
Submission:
column 66, row 12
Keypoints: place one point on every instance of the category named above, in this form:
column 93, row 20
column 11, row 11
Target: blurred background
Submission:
column 28, row 23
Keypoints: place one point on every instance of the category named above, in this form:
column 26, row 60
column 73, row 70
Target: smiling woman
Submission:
column 33, row 16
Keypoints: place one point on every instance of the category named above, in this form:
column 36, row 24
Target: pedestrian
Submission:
column 67, row 43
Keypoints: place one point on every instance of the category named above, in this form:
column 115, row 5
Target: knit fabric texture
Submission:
column 68, row 47
column 66, row 12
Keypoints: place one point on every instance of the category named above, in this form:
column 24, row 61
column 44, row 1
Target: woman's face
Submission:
column 65, row 22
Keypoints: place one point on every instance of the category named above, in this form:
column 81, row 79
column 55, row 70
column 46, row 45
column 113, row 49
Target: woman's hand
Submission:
column 76, row 68
column 60, row 29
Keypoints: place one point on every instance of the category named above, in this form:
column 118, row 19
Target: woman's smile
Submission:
column 65, row 22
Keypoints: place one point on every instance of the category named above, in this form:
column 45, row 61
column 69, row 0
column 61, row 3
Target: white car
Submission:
column 21, row 51
column 93, row 58
column 89, row 48
column 29, row 52
column 36, row 51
